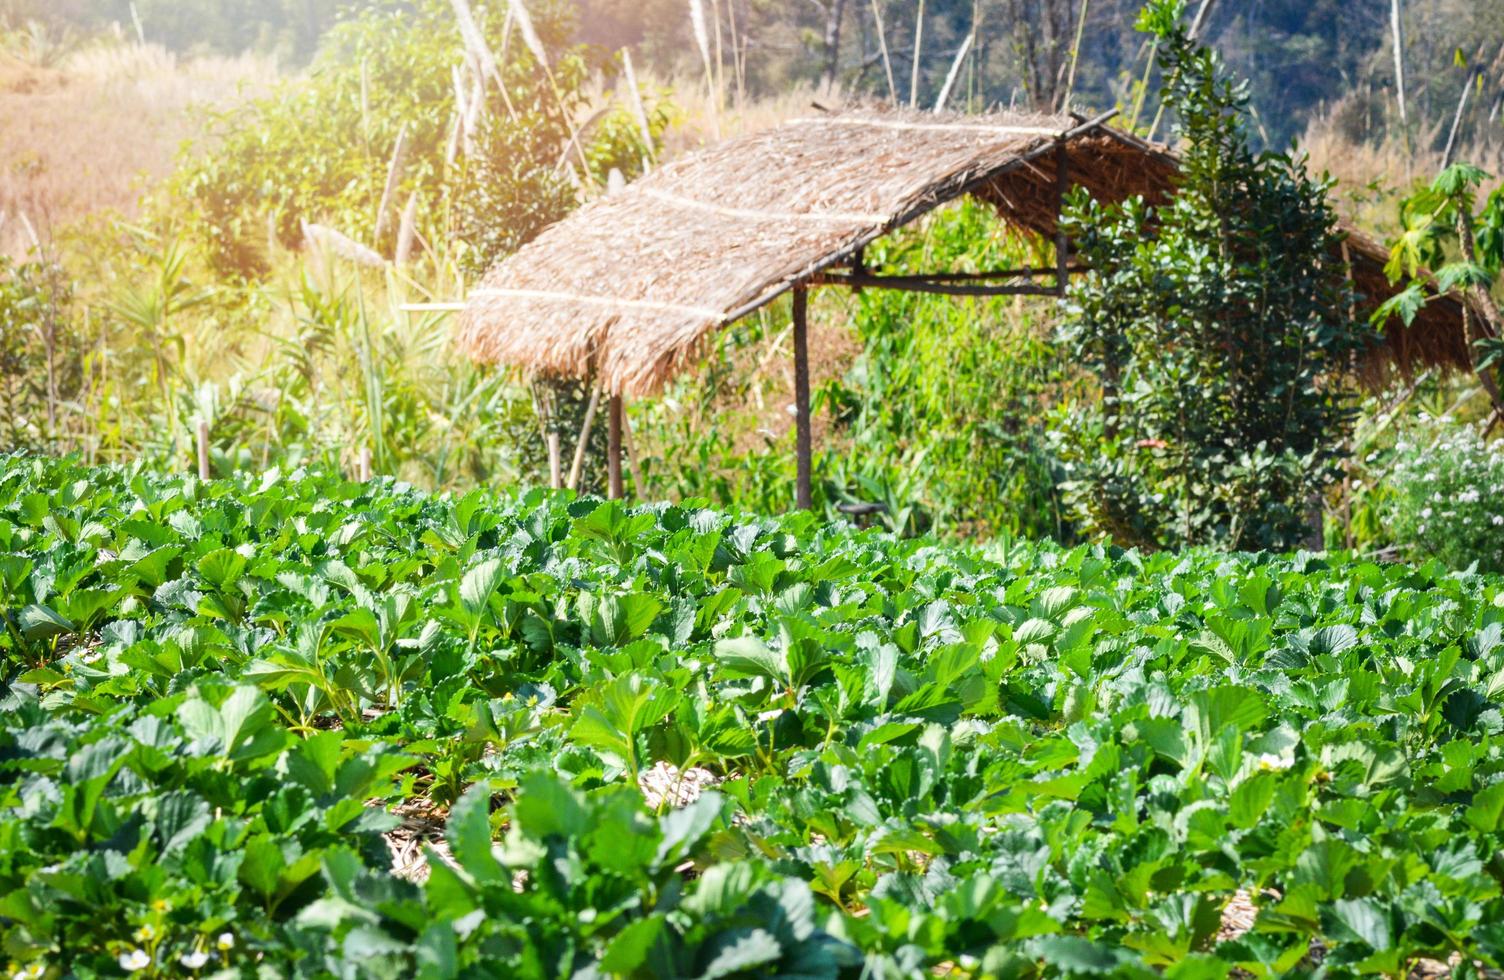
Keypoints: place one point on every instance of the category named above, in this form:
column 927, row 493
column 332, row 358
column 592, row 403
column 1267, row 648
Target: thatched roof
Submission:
column 630, row 287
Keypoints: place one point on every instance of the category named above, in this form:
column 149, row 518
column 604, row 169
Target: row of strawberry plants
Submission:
column 1010, row 761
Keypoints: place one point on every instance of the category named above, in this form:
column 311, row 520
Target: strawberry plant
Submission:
column 670, row 741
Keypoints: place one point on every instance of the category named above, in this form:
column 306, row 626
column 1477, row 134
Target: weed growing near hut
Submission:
column 227, row 702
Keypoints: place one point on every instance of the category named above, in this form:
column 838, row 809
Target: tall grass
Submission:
column 84, row 131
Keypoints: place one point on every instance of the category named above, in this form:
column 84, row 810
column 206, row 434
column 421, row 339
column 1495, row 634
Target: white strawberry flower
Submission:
column 136, row 959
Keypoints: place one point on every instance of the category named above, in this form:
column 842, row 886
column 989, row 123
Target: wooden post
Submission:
column 805, row 493
column 613, row 450
column 577, row 468
column 555, row 464
column 1062, row 245
column 203, row 450
column 365, row 464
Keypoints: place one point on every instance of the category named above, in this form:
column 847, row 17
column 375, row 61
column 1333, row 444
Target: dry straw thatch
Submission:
column 630, row 287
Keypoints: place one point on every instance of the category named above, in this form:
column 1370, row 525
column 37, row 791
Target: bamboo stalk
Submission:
column 576, row 468
column 1397, row 28
column 918, row 47
column 1070, row 78
column 1446, row 156
column 882, row 44
column 955, row 70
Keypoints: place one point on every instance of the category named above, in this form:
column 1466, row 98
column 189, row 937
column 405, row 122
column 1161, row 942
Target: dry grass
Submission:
column 90, row 133
column 1374, row 176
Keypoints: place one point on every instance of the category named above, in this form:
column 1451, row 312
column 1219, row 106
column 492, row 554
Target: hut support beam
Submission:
column 613, row 450
column 805, row 493
column 927, row 284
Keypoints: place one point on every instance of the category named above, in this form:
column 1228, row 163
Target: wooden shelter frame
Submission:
column 566, row 306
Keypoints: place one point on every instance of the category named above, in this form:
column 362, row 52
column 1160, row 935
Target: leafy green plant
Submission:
column 1447, row 230
column 221, row 697
column 1219, row 330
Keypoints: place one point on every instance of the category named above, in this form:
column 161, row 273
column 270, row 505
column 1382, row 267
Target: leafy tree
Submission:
column 1219, row 327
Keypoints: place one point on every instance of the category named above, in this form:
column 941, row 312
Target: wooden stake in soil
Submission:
column 365, row 464
column 203, row 450
column 613, row 450
column 805, row 494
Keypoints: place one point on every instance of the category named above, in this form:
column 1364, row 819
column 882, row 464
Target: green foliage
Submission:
column 1024, row 760
column 937, row 414
column 319, row 149
column 1446, row 499
column 1445, row 229
column 1218, row 326
column 42, row 361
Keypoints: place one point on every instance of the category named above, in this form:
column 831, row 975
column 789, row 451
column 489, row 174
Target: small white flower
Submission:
column 226, row 940
column 1426, row 513
column 1498, row 520
column 135, row 960
column 194, row 960
column 1271, row 761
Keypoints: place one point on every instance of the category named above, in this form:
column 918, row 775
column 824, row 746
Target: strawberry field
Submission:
column 295, row 726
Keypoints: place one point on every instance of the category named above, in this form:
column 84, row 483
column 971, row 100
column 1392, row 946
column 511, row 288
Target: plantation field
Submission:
column 668, row 741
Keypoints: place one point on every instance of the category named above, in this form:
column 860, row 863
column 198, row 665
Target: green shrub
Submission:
column 41, row 357
column 319, row 149
column 1446, row 499
column 1219, row 329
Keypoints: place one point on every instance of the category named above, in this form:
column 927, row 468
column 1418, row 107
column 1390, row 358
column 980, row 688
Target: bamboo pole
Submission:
column 1446, row 156
column 1397, row 28
column 576, row 469
column 955, row 71
column 918, row 46
column 804, row 490
column 1070, row 78
column 366, row 470
column 203, row 450
column 613, row 449
column 882, row 44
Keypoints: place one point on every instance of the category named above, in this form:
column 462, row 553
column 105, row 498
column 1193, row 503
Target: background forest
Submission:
column 229, row 211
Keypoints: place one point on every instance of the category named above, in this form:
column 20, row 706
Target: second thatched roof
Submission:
column 630, row 287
